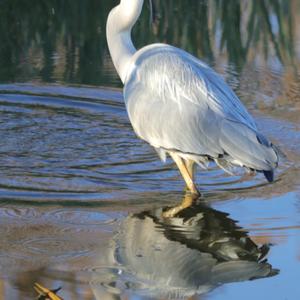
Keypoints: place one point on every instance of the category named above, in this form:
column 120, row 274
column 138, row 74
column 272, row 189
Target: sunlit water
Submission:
column 72, row 175
column 81, row 198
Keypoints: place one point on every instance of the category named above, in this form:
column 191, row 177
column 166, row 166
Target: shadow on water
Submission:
column 192, row 253
column 142, row 254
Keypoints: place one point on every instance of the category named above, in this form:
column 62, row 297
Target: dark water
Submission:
column 81, row 197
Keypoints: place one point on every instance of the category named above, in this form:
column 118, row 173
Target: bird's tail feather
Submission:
column 269, row 175
column 246, row 147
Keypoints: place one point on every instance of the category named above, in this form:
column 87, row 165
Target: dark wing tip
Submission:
column 269, row 175
column 262, row 140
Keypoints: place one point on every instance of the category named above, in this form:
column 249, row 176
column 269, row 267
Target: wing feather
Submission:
column 175, row 101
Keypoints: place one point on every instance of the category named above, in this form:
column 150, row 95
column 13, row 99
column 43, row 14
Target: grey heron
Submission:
column 182, row 107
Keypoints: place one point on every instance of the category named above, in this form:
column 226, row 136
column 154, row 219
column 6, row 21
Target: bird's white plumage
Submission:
column 175, row 102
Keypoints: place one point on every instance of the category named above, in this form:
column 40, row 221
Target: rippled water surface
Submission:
column 81, row 197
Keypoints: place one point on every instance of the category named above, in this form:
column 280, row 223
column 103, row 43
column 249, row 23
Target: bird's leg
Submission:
column 186, row 202
column 186, row 172
column 190, row 166
column 186, row 168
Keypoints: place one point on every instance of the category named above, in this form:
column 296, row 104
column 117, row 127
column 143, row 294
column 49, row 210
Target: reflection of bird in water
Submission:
column 178, row 257
column 181, row 107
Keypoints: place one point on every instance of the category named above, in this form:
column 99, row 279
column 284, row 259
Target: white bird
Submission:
column 182, row 107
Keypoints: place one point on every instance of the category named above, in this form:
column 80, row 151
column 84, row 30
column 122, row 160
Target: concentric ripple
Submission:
column 76, row 144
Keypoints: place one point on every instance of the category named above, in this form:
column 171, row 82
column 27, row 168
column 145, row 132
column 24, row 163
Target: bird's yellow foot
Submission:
column 46, row 294
column 193, row 191
column 187, row 201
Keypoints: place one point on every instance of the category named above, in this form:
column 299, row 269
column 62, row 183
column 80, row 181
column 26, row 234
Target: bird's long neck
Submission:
column 118, row 32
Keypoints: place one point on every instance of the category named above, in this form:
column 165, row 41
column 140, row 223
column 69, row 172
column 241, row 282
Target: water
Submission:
column 81, row 197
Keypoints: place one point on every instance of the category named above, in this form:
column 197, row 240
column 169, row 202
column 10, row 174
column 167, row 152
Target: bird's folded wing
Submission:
column 175, row 101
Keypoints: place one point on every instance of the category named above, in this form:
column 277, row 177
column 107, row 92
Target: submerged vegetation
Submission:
column 54, row 40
